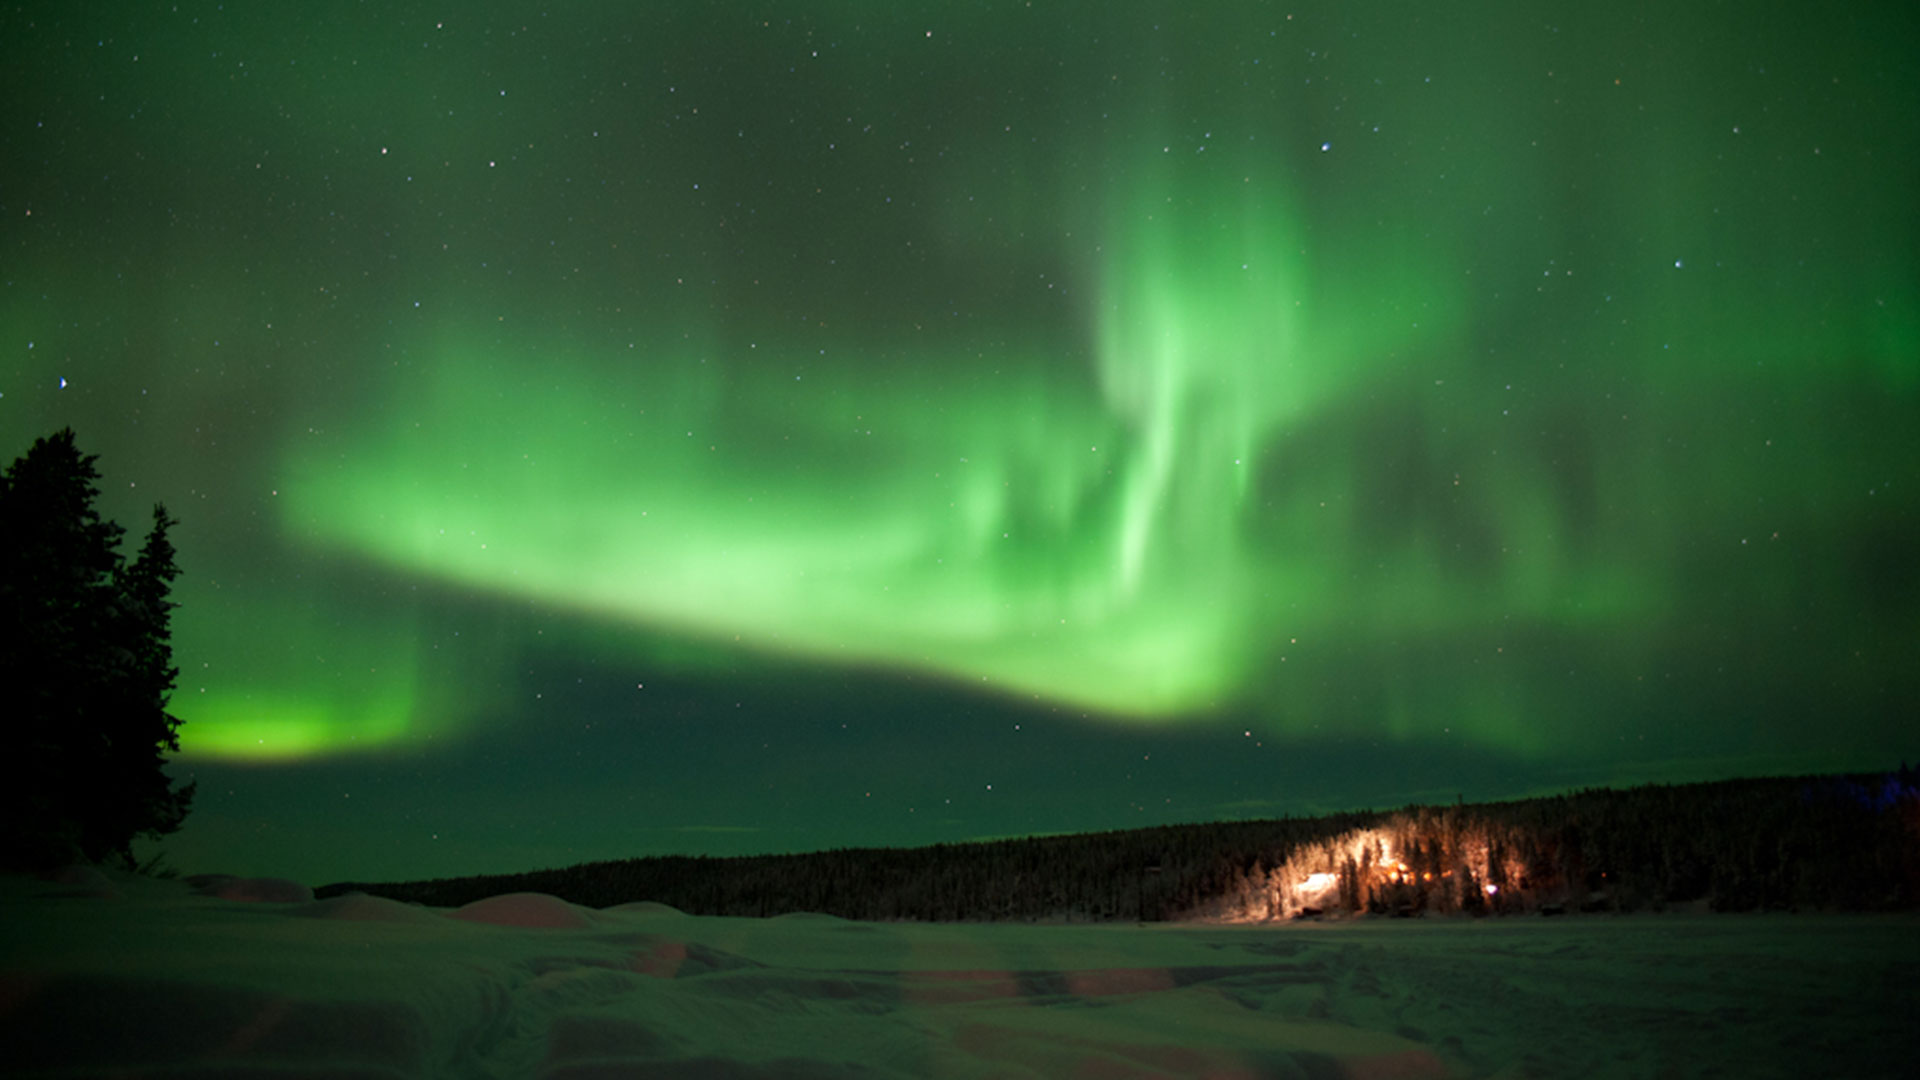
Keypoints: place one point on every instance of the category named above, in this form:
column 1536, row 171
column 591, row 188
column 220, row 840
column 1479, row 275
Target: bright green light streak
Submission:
column 975, row 538
column 327, row 679
column 1082, row 537
column 265, row 726
column 1032, row 532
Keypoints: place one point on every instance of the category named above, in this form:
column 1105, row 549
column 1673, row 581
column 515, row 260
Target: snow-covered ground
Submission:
column 126, row 977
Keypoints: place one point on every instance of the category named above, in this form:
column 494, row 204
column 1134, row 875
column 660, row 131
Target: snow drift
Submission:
column 118, row 975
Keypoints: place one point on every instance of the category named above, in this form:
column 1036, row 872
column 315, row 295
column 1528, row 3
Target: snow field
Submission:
column 117, row 975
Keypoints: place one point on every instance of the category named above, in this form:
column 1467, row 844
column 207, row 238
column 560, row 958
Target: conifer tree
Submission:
column 84, row 655
column 137, row 720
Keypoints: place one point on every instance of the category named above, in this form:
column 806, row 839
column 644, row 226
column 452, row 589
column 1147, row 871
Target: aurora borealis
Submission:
column 608, row 429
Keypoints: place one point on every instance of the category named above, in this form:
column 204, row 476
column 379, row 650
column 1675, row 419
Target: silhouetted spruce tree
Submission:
column 85, row 657
column 141, row 800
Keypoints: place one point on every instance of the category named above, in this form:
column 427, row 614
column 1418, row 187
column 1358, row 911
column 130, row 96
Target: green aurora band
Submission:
column 1074, row 539
column 1147, row 537
column 1541, row 384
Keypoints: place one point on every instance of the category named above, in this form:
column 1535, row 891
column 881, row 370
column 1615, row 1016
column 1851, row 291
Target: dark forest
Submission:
column 1814, row 843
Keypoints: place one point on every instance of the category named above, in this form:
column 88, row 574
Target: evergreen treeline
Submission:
column 1806, row 843
column 1842, row 842
column 86, row 660
column 1150, row 874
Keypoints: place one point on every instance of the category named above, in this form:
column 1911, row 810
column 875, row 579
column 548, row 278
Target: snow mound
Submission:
column 359, row 907
column 79, row 874
column 644, row 907
column 526, row 909
column 83, row 881
column 814, row 917
column 256, row 890
column 671, row 958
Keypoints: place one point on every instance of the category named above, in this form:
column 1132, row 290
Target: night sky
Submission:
column 614, row 429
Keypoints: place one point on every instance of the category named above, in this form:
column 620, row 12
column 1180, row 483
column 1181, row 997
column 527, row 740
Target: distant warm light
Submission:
column 1382, row 880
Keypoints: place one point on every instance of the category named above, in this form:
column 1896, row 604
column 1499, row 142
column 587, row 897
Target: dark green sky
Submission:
column 610, row 429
